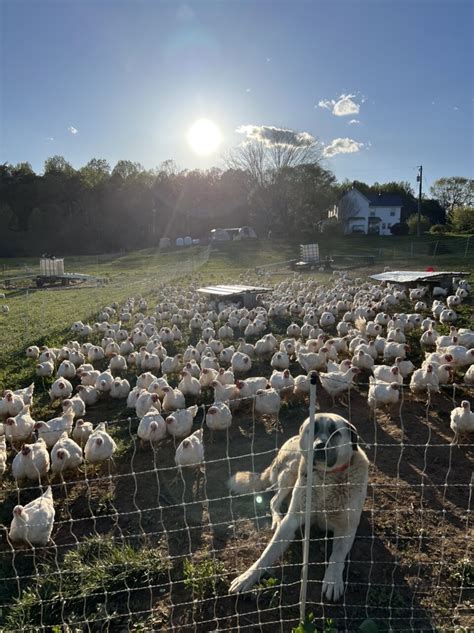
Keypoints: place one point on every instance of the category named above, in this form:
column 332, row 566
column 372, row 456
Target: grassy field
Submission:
column 182, row 557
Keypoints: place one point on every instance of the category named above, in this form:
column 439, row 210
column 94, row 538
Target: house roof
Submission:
column 384, row 200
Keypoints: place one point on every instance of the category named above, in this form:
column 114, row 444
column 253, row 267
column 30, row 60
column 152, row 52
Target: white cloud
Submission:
column 344, row 106
column 342, row 146
column 50, row 138
column 354, row 121
column 248, row 89
column 72, row 129
column 270, row 135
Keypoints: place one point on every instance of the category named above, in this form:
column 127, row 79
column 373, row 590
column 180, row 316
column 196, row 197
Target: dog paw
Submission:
column 244, row 582
column 333, row 587
column 275, row 522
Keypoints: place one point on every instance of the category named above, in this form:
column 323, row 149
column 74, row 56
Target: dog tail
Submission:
column 245, row 481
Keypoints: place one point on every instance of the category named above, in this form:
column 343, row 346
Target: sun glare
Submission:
column 204, row 137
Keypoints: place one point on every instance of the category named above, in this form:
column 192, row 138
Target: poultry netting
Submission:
column 150, row 527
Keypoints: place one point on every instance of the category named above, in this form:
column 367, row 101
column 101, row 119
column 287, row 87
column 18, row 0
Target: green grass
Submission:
column 204, row 578
column 98, row 572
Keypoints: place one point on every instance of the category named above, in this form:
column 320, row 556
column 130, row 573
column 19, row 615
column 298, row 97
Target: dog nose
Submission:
column 320, row 446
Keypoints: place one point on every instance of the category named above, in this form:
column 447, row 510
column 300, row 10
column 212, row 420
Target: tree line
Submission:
column 97, row 208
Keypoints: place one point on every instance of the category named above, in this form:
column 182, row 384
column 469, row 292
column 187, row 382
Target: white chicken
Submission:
column 32, row 462
column 180, row 423
column 145, row 402
column 26, row 394
column 60, row 389
column 225, row 376
column 189, row 385
column 218, row 417
column 382, row 394
column 100, row 446
column 280, row 361
column 152, row 427
column 207, row 377
column 33, row 524
column 145, row 379
column 267, row 402
column 78, row 405
column 45, row 368
column 20, row 427
column 424, row 379
column 249, row 387
column 88, row 394
column 12, row 403
column 462, row 420
column 338, row 382
column 173, row 399
column 104, row 381
column 190, row 451
column 282, row 380
column 120, row 389
column 66, row 370
column 385, row 373
column 363, row 361
column 52, row 430
column 313, row 360
column 241, row 363
column 222, row 393
column 82, row 431
column 65, row 455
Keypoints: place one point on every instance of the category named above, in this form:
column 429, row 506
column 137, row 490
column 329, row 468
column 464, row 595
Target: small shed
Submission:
column 410, row 278
column 165, row 242
column 246, row 295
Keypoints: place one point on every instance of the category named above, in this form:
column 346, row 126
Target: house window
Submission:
column 392, row 213
column 383, row 225
column 389, row 226
column 372, row 213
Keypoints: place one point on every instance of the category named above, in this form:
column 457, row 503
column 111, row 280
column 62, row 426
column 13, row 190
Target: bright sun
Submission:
column 204, row 137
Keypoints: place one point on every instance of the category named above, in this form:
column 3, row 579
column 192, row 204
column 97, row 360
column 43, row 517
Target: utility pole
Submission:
column 419, row 179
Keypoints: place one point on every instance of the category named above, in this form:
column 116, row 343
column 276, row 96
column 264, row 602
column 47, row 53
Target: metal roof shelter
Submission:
column 415, row 276
column 246, row 294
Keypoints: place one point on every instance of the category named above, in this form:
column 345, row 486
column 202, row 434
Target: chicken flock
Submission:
column 350, row 332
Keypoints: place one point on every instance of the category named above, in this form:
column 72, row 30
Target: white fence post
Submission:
column 309, row 490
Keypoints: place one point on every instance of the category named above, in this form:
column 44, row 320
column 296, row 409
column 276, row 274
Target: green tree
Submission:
column 58, row 165
column 95, row 172
column 452, row 192
column 462, row 219
column 412, row 222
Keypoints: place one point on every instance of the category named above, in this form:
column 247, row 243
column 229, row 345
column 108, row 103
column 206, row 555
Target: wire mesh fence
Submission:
column 139, row 543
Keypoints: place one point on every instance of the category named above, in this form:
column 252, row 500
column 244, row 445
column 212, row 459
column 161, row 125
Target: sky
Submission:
column 383, row 85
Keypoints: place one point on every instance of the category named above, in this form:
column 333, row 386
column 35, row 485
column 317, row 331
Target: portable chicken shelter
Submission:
column 245, row 295
column 414, row 277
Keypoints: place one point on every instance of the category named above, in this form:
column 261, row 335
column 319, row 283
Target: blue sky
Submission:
column 131, row 76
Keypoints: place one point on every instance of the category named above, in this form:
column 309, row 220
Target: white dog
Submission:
column 340, row 474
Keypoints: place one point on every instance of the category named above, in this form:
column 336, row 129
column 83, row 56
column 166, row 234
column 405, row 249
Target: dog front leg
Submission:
column 333, row 583
column 279, row 543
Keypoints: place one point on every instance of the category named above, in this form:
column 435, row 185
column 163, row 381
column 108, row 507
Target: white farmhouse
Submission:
column 367, row 213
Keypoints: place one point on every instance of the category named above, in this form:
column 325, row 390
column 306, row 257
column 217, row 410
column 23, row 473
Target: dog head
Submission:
column 335, row 440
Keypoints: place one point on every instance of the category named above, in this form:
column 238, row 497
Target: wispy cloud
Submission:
column 72, row 129
column 354, row 121
column 270, row 135
column 50, row 138
column 344, row 106
column 342, row 146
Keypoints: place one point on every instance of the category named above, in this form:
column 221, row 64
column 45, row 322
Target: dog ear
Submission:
column 354, row 436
